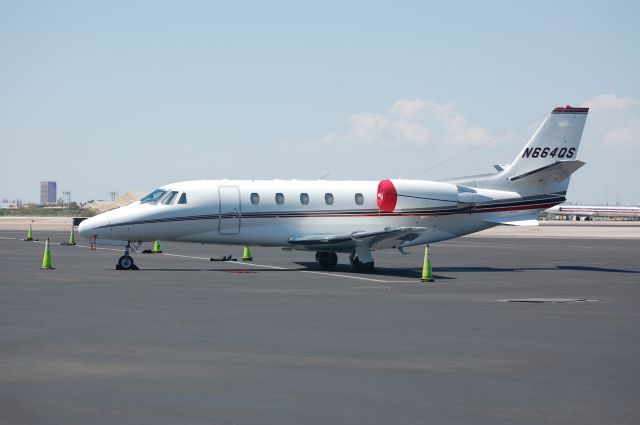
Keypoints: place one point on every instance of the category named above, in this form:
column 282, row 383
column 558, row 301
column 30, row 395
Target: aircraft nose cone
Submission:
column 87, row 227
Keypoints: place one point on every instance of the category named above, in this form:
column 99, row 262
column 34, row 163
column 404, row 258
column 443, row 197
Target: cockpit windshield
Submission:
column 153, row 197
column 168, row 200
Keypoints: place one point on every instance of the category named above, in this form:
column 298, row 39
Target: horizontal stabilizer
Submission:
column 519, row 220
column 558, row 171
column 387, row 238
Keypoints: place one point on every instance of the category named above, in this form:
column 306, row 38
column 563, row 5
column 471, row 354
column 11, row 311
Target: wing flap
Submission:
column 387, row 238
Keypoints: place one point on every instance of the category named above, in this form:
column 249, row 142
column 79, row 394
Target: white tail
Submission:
column 556, row 140
column 545, row 164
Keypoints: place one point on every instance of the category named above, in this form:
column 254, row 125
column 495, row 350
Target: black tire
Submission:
column 360, row 266
column 125, row 262
column 327, row 260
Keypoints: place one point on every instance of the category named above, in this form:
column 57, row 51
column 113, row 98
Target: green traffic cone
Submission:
column 72, row 238
column 156, row 248
column 246, row 254
column 29, row 234
column 46, row 258
column 427, row 275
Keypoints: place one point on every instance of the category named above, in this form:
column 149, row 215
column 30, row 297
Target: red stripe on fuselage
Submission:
column 400, row 214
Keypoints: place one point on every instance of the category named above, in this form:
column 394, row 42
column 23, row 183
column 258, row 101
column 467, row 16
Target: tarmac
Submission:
column 280, row 341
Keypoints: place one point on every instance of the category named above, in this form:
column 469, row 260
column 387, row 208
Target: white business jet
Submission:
column 353, row 217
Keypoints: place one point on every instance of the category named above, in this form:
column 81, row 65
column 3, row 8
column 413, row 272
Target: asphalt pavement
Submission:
column 280, row 341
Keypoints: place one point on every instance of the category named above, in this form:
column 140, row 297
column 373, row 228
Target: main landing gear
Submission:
column 126, row 262
column 359, row 265
column 327, row 260
column 361, row 260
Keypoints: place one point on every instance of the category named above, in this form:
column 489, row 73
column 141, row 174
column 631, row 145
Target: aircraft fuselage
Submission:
column 275, row 212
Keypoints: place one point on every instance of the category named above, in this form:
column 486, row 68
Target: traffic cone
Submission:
column 156, row 248
column 72, row 238
column 427, row 275
column 29, row 234
column 46, row 259
column 246, row 254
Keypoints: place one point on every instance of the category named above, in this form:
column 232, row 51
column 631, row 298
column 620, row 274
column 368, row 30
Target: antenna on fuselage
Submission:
column 324, row 176
column 493, row 139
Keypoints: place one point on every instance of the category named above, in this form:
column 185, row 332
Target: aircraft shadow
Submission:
column 417, row 271
column 596, row 269
column 526, row 269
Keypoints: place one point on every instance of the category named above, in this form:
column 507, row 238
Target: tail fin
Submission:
column 545, row 164
column 557, row 139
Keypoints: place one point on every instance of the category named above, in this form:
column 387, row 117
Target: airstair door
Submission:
column 229, row 219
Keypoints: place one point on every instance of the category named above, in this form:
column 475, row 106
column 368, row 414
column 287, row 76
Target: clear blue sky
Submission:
column 117, row 96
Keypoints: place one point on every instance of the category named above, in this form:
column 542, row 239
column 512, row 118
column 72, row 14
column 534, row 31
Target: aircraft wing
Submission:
column 389, row 237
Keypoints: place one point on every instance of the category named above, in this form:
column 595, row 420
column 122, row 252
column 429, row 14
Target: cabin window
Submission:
column 183, row 199
column 359, row 199
column 153, row 197
column 255, row 198
column 304, row 198
column 168, row 200
column 279, row 198
column 328, row 198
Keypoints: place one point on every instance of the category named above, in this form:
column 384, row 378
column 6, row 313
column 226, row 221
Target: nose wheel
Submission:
column 126, row 262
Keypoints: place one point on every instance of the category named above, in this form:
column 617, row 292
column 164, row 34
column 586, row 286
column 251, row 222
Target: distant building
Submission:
column 48, row 193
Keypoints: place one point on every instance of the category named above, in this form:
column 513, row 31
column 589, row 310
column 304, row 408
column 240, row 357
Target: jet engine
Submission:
column 409, row 194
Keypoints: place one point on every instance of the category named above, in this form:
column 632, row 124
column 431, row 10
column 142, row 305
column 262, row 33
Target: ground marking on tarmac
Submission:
column 356, row 277
column 104, row 249
column 186, row 256
column 301, row 271
column 260, row 265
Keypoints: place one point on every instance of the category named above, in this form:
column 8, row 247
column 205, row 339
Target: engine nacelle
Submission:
column 408, row 194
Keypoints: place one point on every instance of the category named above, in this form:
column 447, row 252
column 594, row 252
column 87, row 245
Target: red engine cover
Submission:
column 387, row 196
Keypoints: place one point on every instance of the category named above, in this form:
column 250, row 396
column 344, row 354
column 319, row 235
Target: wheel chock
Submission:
column 223, row 258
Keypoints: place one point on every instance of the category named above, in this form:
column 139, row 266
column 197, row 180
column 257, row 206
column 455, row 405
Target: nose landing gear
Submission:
column 126, row 262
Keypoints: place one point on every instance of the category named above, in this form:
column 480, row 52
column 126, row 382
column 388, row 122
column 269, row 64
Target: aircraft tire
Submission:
column 360, row 266
column 327, row 260
column 125, row 263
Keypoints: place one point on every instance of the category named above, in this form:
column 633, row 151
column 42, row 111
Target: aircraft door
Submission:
column 230, row 214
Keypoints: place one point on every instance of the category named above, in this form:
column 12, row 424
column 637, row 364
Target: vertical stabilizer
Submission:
column 547, row 161
column 557, row 139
